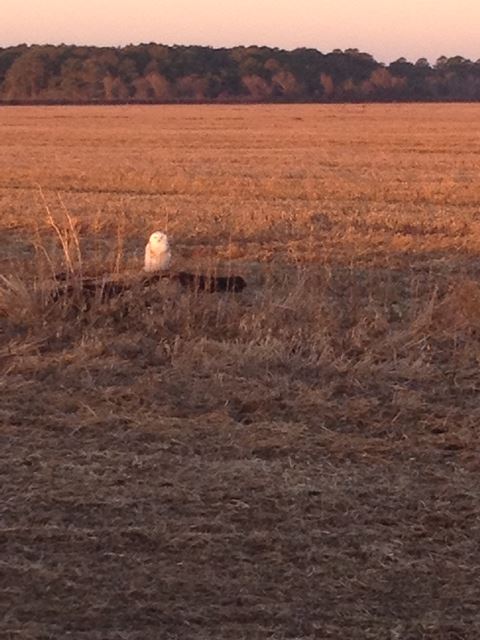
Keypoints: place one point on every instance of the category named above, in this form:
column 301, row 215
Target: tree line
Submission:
column 156, row 73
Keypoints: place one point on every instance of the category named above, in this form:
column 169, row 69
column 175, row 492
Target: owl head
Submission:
column 158, row 241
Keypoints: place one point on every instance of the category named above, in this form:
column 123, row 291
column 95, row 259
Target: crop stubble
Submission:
column 297, row 461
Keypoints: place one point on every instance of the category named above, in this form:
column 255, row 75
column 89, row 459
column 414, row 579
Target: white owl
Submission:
column 157, row 253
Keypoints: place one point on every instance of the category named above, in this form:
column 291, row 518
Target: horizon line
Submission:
column 228, row 47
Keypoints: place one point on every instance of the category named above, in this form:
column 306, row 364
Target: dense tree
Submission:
column 158, row 73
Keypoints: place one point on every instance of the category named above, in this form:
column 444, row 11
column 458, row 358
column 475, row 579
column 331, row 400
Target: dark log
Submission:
column 88, row 288
column 210, row 283
column 68, row 285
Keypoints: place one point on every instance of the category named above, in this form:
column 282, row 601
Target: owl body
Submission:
column 157, row 253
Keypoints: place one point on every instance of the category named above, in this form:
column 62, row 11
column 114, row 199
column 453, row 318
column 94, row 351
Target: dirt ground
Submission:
column 300, row 460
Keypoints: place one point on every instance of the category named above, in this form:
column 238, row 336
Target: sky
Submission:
column 387, row 29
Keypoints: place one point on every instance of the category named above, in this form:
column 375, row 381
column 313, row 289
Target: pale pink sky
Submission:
column 386, row 29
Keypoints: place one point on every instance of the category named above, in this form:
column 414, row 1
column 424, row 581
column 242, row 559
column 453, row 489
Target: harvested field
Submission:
column 298, row 460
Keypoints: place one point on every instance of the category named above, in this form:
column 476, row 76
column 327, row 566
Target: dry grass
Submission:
column 297, row 461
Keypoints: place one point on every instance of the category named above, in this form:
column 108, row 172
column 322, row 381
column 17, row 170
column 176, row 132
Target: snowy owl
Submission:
column 157, row 253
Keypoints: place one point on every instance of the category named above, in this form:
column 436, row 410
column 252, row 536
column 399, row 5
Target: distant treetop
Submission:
column 156, row 73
